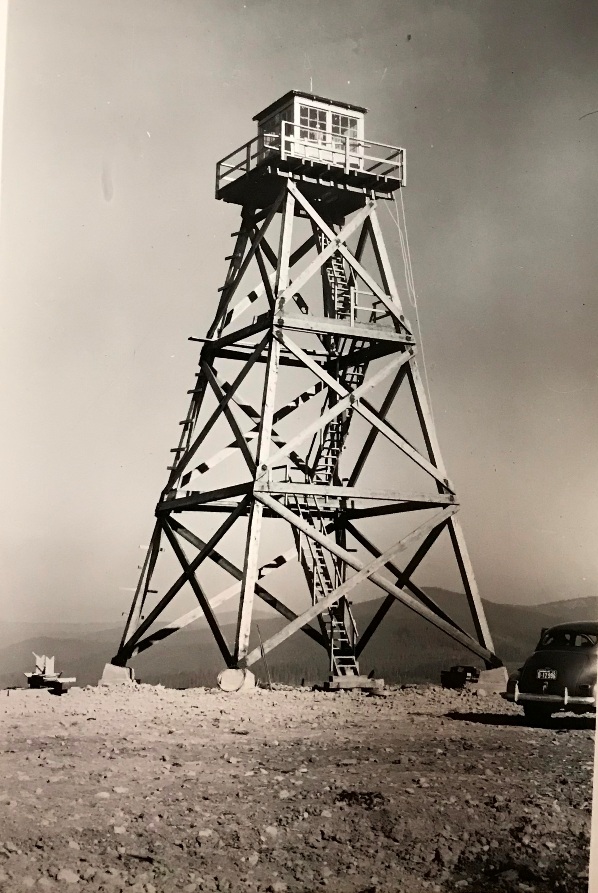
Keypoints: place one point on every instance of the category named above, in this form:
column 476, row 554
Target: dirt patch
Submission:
column 151, row 790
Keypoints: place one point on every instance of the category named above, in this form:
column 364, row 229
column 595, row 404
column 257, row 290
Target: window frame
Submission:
column 356, row 147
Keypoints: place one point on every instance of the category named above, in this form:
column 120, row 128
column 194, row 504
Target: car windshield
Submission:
column 557, row 640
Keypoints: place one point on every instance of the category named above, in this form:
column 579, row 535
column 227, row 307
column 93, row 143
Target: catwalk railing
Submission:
column 345, row 152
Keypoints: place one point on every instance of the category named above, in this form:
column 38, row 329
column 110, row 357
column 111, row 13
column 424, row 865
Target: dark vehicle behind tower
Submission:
column 561, row 674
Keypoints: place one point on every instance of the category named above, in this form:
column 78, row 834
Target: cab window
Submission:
column 557, row 640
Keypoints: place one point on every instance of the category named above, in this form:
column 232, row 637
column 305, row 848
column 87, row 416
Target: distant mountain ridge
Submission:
column 405, row 648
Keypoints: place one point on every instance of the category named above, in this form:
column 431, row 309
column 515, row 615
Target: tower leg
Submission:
column 250, row 567
column 249, row 581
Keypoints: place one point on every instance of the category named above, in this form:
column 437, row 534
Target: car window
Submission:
column 557, row 640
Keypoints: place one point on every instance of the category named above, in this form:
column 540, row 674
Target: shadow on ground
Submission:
column 556, row 723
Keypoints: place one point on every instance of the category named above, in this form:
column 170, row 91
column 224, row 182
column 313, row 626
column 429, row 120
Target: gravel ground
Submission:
column 152, row 790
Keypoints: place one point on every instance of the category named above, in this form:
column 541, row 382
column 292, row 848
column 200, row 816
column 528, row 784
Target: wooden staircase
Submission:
column 323, row 571
column 324, row 576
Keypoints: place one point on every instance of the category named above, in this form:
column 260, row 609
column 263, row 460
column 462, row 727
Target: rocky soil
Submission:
column 151, row 790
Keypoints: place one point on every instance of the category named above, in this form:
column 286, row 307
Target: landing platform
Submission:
column 337, row 191
column 347, row 683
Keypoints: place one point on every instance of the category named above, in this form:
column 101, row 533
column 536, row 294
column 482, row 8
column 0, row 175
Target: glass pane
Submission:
column 313, row 124
column 271, row 131
column 343, row 125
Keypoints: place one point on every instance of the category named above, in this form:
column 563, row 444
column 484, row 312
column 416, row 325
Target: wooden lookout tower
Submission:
column 293, row 449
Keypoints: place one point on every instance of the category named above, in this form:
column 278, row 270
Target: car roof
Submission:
column 579, row 626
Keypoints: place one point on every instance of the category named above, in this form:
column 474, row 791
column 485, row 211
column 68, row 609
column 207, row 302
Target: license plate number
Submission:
column 546, row 674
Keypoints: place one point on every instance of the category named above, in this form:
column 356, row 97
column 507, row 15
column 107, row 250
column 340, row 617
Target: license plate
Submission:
column 546, row 674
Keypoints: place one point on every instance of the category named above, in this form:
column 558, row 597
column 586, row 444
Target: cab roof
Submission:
column 578, row 626
column 288, row 96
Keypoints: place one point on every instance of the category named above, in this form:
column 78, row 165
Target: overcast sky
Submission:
column 112, row 250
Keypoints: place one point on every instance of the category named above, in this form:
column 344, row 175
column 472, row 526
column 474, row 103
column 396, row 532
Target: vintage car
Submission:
column 561, row 674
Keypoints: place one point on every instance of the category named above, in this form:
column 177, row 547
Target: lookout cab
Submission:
column 318, row 142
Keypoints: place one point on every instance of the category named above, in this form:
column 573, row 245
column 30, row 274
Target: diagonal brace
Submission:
column 408, row 600
column 368, row 414
column 186, row 458
column 364, row 572
column 126, row 649
column 260, row 590
column 403, row 582
column 200, row 595
column 349, row 399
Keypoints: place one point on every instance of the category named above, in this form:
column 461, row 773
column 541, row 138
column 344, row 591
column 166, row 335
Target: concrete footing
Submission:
column 236, row 680
column 492, row 682
column 114, row 675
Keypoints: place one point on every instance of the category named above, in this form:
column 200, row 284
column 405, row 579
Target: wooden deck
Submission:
column 341, row 191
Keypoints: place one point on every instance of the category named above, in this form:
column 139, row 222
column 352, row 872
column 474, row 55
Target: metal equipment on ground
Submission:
column 459, row 676
column 45, row 676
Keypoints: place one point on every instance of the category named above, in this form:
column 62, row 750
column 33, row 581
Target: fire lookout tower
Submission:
column 327, row 354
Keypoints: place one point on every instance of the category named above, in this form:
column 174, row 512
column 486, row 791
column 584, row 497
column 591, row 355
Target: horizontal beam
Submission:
column 354, row 358
column 363, row 355
column 212, row 507
column 319, row 324
column 196, row 498
column 228, row 354
column 339, row 492
column 213, row 346
column 375, row 511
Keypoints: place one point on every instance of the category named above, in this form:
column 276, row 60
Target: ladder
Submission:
column 336, row 621
column 341, row 291
column 323, row 571
column 340, row 299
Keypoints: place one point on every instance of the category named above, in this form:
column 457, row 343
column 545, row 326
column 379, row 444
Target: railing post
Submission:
column 248, row 157
column 346, row 154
